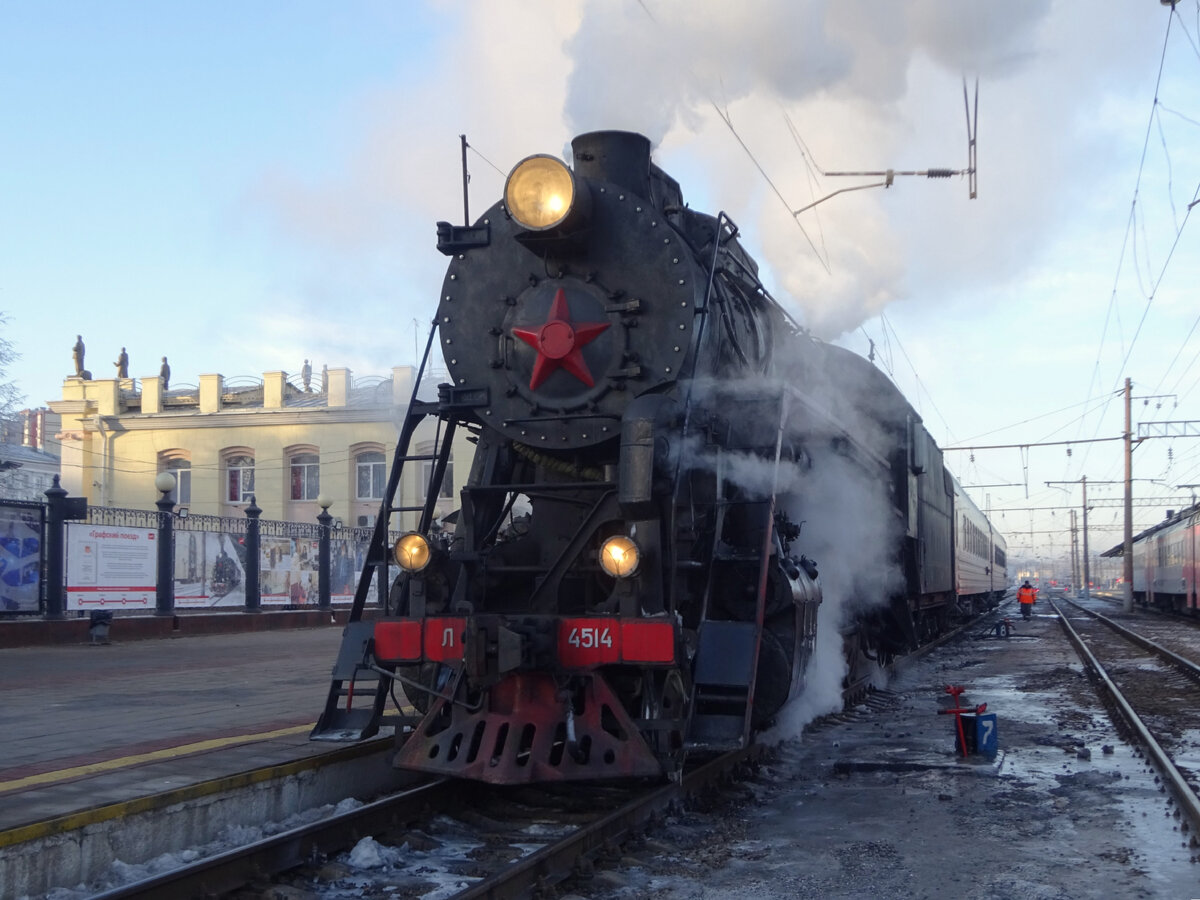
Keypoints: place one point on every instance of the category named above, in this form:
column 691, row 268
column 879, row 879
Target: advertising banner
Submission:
column 210, row 570
column 110, row 567
column 345, row 563
column 20, row 558
column 288, row 571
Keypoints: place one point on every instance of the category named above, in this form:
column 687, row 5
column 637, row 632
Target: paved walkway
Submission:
column 82, row 725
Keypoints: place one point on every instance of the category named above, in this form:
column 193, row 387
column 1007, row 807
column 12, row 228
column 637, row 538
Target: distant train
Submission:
column 1166, row 562
column 980, row 555
column 660, row 448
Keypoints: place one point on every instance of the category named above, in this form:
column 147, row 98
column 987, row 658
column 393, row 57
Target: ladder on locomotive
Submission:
column 354, row 675
column 725, row 672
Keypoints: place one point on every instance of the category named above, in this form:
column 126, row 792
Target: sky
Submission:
column 241, row 187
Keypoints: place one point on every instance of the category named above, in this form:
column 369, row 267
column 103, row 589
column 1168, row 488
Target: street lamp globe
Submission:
column 165, row 482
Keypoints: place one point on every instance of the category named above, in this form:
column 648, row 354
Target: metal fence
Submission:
column 64, row 557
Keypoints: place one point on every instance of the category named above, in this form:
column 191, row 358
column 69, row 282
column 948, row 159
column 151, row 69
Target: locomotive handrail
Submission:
column 562, row 417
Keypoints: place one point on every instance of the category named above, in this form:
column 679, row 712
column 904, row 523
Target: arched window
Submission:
column 239, row 478
column 305, row 476
column 371, row 475
column 178, row 464
column 427, row 467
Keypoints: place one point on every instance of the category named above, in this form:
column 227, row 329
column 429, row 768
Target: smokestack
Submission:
column 620, row 157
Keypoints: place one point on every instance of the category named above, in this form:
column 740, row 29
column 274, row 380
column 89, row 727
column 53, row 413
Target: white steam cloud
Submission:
column 843, row 75
column 849, row 526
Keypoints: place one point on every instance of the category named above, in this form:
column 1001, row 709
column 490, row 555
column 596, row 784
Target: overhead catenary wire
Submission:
column 1133, row 207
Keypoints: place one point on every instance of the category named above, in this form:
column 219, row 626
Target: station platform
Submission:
column 88, row 726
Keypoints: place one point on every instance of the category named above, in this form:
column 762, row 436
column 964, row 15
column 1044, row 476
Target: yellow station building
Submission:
column 285, row 442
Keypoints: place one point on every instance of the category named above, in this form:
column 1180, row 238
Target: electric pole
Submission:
column 1074, row 550
column 1087, row 578
column 1127, row 552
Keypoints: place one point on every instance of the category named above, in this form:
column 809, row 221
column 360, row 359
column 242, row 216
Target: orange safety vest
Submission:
column 1026, row 595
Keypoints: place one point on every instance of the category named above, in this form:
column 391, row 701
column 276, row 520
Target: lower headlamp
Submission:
column 619, row 556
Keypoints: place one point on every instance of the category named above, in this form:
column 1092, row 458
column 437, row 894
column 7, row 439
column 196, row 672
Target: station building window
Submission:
column 179, row 464
column 371, row 475
column 305, row 476
column 239, row 476
column 447, row 488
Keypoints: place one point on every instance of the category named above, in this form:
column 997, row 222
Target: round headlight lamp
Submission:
column 412, row 552
column 540, row 192
column 619, row 556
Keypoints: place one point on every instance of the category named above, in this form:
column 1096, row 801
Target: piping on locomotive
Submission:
column 614, row 595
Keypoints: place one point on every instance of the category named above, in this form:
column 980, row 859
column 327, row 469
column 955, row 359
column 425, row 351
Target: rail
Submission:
column 1184, row 795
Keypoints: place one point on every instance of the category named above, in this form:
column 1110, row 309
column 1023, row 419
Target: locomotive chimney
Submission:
column 620, row 157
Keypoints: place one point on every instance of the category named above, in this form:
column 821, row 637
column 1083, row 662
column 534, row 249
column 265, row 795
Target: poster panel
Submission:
column 210, row 570
column 110, row 567
column 20, row 558
column 346, row 557
column 288, row 571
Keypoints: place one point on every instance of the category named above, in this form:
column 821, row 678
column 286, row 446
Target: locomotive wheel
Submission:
column 433, row 676
column 665, row 697
column 774, row 678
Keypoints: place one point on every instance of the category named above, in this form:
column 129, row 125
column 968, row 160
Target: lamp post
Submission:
column 164, row 604
column 324, row 519
column 253, row 559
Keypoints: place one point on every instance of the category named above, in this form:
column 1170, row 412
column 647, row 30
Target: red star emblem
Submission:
column 559, row 343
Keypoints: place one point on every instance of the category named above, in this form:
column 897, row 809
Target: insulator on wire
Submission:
column 939, row 173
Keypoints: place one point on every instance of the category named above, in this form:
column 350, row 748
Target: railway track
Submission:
column 486, row 842
column 506, row 842
column 1155, row 691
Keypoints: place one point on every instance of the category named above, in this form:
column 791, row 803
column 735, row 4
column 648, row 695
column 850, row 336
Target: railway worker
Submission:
column 1026, row 596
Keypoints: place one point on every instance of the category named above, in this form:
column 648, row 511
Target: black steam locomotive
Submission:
column 625, row 581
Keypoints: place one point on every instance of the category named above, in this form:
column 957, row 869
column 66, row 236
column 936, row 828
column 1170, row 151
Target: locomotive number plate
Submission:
column 585, row 643
column 588, row 642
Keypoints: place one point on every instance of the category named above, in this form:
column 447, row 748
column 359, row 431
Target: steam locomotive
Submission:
column 626, row 580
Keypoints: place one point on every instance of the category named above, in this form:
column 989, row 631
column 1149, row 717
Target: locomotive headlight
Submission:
column 412, row 552
column 619, row 556
column 540, row 192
